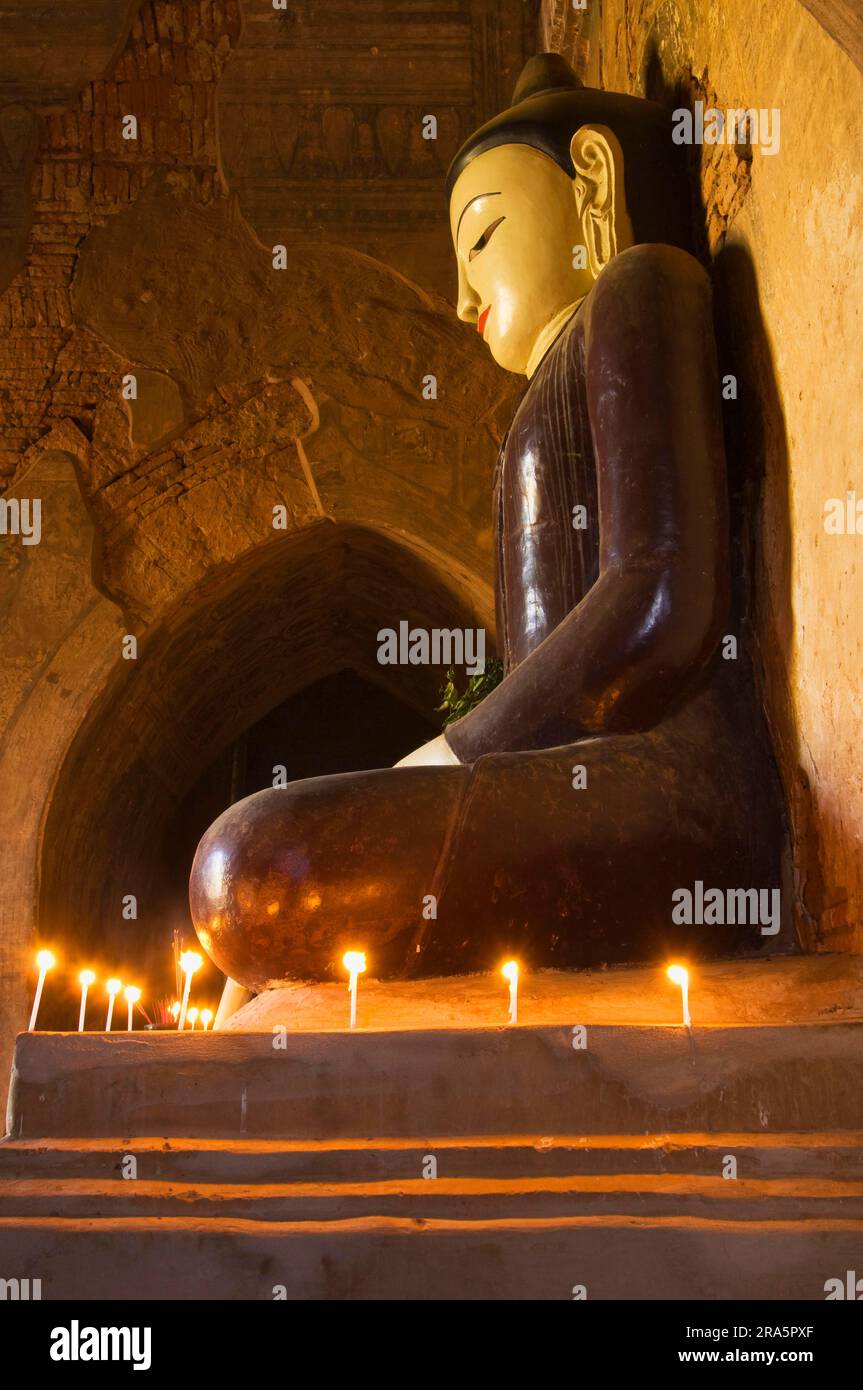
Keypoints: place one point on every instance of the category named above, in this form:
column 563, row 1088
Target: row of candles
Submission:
column 180, row 1011
column 354, row 963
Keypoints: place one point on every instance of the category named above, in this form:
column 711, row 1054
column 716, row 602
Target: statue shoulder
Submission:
column 651, row 264
column 644, row 281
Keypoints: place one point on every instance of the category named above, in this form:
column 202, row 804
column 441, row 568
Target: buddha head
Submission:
column 545, row 195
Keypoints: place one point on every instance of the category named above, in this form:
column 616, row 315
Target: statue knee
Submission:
column 287, row 880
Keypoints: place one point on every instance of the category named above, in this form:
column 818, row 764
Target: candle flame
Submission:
column 678, row 974
column 354, row 962
column 175, row 1009
column 132, row 993
column 86, row 978
column 190, row 961
column 193, row 1014
column 206, row 1018
column 510, row 970
column 114, row 986
column 45, row 960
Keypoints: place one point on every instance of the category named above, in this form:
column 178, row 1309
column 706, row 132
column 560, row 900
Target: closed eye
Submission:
column 485, row 238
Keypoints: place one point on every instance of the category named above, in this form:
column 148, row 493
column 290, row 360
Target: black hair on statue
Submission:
column 550, row 104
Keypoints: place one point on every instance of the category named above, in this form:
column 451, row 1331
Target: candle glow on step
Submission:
column 133, row 994
column 113, row 987
column 45, row 962
column 190, row 961
column 193, row 1018
column 86, row 978
column 510, row 972
column 680, row 976
column 355, row 963
column 206, row 1019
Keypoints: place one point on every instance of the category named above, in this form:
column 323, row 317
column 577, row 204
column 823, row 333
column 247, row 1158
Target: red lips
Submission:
column 480, row 323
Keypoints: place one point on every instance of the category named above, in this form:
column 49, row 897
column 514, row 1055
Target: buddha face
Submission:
column 530, row 240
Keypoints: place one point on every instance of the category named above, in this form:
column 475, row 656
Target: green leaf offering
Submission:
column 455, row 706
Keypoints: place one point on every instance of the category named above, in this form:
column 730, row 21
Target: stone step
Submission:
column 612, row 1257
column 837, row 1156
column 447, row 1082
column 557, row 1166
column 457, row 1199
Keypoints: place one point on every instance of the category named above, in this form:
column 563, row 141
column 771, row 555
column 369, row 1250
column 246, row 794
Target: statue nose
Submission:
column 468, row 299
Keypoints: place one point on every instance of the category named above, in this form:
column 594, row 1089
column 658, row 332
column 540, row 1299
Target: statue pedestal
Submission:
column 302, row 1166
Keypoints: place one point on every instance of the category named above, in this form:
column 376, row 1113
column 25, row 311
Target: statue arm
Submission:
column 655, row 613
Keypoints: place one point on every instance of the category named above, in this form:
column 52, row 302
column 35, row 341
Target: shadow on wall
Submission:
column 757, row 447
column 758, row 479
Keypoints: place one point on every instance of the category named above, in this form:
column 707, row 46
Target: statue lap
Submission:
column 448, row 870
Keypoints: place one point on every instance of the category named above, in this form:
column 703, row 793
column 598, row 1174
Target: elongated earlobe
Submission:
column 599, row 195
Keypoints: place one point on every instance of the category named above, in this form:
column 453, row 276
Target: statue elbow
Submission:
column 697, row 618
column 686, row 616
column 677, row 620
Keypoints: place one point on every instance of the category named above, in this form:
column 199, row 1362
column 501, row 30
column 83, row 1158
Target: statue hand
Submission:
column 435, row 753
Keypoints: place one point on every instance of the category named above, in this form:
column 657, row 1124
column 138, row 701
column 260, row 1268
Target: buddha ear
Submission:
column 599, row 194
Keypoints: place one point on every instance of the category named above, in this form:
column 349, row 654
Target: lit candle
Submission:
column 86, row 978
column 206, row 1019
column 133, row 994
column 113, row 987
column 193, row 1018
column 355, row 963
column 45, row 962
column 510, row 972
column 175, row 1010
column 680, row 976
column 190, row 961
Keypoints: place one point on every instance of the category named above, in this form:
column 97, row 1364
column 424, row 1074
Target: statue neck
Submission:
column 547, row 335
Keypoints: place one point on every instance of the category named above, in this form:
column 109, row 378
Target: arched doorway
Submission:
column 223, row 691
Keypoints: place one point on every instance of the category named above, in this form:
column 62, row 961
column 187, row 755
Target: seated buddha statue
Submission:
column 623, row 760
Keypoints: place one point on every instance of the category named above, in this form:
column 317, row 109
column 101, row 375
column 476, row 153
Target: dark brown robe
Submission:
column 621, row 759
